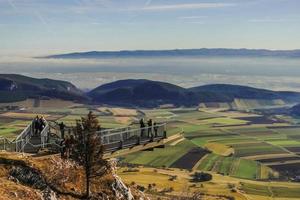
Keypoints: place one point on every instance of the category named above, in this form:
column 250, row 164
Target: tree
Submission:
column 88, row 149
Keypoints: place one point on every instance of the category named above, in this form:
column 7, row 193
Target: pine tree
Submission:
column 88, row 149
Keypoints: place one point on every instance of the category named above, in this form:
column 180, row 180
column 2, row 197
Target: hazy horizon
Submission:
column 37, row 28
column 269, row 73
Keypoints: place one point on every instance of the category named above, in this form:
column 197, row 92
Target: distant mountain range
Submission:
column 134, row 93
column 180, row 52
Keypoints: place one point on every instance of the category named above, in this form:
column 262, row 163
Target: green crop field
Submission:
column 208, row 129
column 257, row 150
column 232, row 166
column 12, row 128
column 256, row 189
column 223, row 121
column 271, row 191
column 285, row 143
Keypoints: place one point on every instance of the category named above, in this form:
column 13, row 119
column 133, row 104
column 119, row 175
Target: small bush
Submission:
column 201, row 177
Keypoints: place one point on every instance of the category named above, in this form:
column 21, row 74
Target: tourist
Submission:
column 150, row 126
column 42, row 124
column 155, row 128
column 35, row 125
column 67, row 146
column 62, row 148
column 142, row 126
column 62, row 127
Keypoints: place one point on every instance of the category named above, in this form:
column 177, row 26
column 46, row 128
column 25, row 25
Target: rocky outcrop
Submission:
column 30, row 177
column 53, row 178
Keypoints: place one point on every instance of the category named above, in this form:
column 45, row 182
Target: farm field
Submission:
column 241, row 146
column 244, row 189
column 246, row 136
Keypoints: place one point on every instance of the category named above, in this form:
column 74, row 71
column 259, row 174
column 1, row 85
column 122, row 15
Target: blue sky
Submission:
column 39, row 27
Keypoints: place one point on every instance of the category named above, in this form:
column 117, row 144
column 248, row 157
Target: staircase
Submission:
column 34, row 145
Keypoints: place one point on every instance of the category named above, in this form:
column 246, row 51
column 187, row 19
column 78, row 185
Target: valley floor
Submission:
column 244, row 150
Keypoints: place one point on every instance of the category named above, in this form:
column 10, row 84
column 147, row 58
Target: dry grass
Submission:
column 63, row 175
column 219, row 148
column 123, row 120
column 22, row 115
column 182, row 185
column 119, row 112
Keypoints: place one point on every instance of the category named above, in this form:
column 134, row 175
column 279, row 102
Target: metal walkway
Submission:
column 112, row 139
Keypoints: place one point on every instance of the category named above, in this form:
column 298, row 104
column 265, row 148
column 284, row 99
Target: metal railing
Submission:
column 19, row 143
column 112, row 139
column 45, row 135
column 7, row 145
column 132, row 137
column 23, row 138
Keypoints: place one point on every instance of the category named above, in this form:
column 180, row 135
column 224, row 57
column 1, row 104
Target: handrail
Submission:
column 132, row 130
column 45, row 135
column 111, row 138
column 24, row 138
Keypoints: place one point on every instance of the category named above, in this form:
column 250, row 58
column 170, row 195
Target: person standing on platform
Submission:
column 35, row 125
column 155, row 129
column 150, row 126
column 142, row 126
column 42, row 124
column 62, row 127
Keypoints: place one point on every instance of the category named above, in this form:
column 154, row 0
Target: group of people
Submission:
column 38, row 124
column 152, row 127
column 148, row 129
column 67, row 141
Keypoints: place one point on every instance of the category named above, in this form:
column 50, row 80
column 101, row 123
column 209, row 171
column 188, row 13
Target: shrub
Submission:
column 201, row 177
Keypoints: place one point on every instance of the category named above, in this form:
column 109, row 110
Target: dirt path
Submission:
column 177, row 141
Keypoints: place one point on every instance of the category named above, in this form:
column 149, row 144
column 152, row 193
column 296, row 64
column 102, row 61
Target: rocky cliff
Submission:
column 52, row 178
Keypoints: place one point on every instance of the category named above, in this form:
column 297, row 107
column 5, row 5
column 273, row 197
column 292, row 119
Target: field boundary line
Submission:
column 177, row 141
column 199, row 162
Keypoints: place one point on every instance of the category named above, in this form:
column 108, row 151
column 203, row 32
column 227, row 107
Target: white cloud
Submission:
column 186, row 6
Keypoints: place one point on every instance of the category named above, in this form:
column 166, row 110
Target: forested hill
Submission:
column 153, row 93
column 15, row 87
column 140, row 92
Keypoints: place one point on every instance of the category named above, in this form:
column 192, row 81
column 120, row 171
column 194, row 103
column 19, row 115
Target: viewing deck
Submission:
column 112, row 139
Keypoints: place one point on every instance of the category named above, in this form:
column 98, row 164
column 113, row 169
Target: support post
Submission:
column 138, row 140
column 121, row 144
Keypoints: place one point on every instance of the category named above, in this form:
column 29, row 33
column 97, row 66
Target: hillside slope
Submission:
column 142, row 93
column 148, row 93
column 52, row 178
column 15, row 87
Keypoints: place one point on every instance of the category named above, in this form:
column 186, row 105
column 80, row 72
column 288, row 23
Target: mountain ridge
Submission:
column 134, row 92
column 147, row 93
column 15, row 87
column 210, row 52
